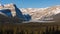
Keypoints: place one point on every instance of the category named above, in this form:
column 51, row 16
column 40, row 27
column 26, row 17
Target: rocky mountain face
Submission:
column 49, row 13
column 34, row 12
column 12, row 13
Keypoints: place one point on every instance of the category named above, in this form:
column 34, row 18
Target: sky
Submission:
column 32, row 3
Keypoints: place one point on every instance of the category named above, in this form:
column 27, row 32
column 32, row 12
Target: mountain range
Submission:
column 46, row 14
column 14, row 14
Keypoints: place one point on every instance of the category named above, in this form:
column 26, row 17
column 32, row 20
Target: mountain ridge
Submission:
column 41, row 13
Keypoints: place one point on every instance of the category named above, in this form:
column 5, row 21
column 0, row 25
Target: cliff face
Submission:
column 12, row 13
column 42, row 13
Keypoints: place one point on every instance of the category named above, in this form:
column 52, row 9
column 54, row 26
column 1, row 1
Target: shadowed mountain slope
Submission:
column 10, row 13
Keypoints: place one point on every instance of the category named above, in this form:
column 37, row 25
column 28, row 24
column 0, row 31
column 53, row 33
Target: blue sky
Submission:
column 32, row 3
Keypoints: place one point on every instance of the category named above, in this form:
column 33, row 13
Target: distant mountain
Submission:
column 45, row 14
